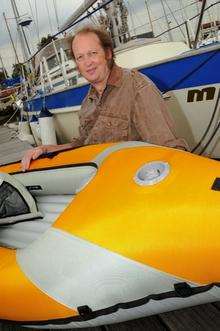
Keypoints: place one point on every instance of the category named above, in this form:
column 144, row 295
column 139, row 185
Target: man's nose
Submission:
column 88, row 59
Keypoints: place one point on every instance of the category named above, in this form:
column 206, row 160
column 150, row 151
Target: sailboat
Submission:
column 186, row 77
column 9, row 89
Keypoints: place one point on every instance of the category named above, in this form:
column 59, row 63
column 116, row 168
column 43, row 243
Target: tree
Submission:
column 45, row 41
column 17, row 70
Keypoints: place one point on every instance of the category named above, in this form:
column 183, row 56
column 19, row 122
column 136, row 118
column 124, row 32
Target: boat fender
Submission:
column 35, row 129
column 152, row 173
column 23, row 126
column 47, row 129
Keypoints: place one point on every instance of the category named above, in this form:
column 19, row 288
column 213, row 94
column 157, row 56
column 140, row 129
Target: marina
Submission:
column 182, row 70
column 171, row 278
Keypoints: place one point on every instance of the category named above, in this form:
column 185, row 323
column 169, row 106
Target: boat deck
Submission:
column 199, row 318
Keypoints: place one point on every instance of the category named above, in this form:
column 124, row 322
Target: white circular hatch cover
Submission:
column 152, row 173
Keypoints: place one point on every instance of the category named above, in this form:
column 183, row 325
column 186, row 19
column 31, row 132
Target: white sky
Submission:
column 45, row 21
column 43, row 14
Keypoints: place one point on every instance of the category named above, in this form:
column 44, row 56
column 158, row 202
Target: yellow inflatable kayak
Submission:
column 107, row 233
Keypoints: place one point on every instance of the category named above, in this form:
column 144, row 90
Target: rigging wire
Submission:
column 190, row 19
column 72, row 25
column 56, row 14
column 175, row 11
column 132, row 9
column 48, row 14
column 32, row 14
column 210, row 139
column 208, row 128
column 16, row 44
column 102, row 6
column 172, row 14
column 131, row 18
column 161, row 17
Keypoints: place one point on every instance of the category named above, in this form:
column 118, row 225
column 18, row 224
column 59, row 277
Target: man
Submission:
column 121, row 104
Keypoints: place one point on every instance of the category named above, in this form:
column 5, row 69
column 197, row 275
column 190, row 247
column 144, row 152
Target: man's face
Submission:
column 91, row 59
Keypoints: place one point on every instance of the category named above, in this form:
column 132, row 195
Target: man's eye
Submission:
column 78, row 58
column 94, row 52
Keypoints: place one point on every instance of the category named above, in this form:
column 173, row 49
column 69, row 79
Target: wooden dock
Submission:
column 199, row 318
column 11, row 148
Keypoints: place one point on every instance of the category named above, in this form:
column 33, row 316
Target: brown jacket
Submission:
column 130, row 108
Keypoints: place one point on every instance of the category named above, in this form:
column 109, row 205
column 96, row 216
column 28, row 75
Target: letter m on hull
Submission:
column 198, row 95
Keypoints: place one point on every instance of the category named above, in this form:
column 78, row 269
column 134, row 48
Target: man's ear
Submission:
column 108, row 54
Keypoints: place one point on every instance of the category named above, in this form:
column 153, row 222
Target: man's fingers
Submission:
column 37, row 153
column 25, row 163
column 32, row 154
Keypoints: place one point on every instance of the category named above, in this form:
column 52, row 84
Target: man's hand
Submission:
column 32, row 154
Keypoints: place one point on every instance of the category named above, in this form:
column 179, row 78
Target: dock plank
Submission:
column 6, row 134
column 12, row 149
column 142, row 324
column 217, row 305
column 202, row 318
column 8, row 327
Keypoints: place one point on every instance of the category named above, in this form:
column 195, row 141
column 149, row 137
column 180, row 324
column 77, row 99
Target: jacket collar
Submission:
column 114, row 79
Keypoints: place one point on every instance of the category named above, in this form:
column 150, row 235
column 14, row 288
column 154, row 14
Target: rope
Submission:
column 16, row 110
column 207, row 129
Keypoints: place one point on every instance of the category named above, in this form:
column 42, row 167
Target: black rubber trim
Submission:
column 181, row 290
column 72, row 165
column 45, row 155
column 216, row 184
column 50, row 155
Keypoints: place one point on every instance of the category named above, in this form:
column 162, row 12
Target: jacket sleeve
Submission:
column 83, row 132
column 151, row 118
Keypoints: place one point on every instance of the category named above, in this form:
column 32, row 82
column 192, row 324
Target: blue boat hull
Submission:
column 185, row 72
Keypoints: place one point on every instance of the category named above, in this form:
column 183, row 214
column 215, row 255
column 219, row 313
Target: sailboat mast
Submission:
column 23, row 40
column 10, row 36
